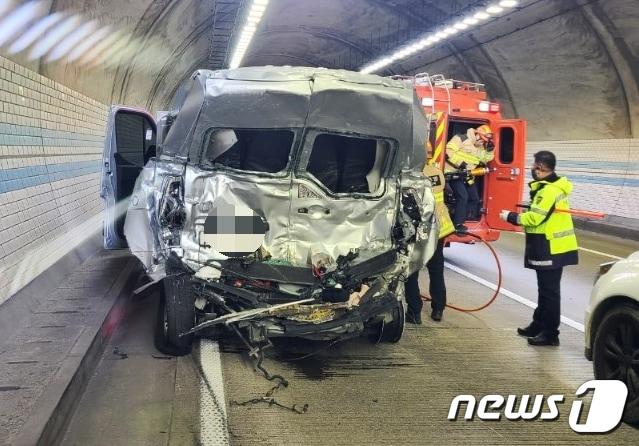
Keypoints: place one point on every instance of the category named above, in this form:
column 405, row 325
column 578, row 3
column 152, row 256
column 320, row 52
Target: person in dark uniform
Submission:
column 435, row 266
column 436, row 288
column 551, row 244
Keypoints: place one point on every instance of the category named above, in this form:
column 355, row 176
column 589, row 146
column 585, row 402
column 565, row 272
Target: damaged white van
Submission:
column 279, row 202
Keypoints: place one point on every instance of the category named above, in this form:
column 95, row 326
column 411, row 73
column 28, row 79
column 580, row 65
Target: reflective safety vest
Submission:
column 436, row 177
column 462, row 149
column 557, row 227
column 456, row 155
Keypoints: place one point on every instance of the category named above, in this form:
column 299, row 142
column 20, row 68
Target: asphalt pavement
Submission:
column 356, row 392
column 577, row 280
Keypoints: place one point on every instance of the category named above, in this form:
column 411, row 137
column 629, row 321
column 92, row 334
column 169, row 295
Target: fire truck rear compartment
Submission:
column 460, row 127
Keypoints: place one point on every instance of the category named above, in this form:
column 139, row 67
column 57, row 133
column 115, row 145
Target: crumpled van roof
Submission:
column 297, row 97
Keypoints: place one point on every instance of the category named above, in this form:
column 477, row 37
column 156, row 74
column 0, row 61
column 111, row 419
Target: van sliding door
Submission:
column 129, row 143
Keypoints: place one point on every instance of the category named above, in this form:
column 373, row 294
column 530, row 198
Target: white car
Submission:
column 612, row 328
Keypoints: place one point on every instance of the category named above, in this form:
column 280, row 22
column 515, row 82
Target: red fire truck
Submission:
column 453, row 107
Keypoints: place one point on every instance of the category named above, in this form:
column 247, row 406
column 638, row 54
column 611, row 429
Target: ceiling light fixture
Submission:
column 35, row 32
column 89, row 43
column 17, row 20
column 460, row 24
column 55, row 36
column 253, row 19
column 72, row 40
column 494, row 9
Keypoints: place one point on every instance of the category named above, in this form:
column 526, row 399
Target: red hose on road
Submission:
column 492, row 299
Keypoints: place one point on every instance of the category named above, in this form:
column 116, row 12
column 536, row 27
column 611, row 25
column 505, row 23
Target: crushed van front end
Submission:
column 347, row 302
column 315, row 244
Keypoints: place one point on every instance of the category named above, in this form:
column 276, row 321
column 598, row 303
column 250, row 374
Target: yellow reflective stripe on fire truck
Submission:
column 439, row 138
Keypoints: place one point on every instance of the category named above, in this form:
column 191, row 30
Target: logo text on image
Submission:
column 606, row 408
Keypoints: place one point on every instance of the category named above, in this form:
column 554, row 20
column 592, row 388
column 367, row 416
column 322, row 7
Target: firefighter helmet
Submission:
column 484, row 132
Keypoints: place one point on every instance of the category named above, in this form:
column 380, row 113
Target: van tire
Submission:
column 176, row 315
column 390, row 332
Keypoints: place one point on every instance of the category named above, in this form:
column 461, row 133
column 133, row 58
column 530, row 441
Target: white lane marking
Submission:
column 592, row 251
column 213, row 419
column 516, row 297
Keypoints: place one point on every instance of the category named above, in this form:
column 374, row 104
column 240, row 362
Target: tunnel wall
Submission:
column 604, row 172
column 51, row 142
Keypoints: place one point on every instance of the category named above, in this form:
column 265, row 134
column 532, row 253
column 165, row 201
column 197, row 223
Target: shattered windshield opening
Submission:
column 254, row 150
column 349, row 164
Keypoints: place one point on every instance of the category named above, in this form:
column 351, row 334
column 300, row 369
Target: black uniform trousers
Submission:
column 547, row 316
column 436, row 287
column 466, row 198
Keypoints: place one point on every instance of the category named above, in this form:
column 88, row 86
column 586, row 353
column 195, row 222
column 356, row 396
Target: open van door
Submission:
column 505, row 184
column 130, row 141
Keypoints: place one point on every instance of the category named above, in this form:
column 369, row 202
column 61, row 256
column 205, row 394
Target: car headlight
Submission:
column 603, row 269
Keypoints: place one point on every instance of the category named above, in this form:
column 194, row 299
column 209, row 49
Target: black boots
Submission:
column 416, row 319
column 537, row 337
column 544, row 339
column 529, row 331
column 413, row 318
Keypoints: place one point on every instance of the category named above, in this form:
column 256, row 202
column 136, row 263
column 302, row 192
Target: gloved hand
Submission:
column 490, row 146
column 504, row 214
column 463, row 166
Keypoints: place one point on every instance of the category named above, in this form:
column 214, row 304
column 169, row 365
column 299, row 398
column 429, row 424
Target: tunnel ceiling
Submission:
column 570, row 67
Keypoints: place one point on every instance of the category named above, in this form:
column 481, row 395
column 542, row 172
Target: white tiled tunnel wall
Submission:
column 604, row 172
column 51, row 142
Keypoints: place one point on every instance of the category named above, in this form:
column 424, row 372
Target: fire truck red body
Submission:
column 455, row 106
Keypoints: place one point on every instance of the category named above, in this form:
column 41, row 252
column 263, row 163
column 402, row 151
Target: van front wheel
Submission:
column 390, row 331
column 176, row 315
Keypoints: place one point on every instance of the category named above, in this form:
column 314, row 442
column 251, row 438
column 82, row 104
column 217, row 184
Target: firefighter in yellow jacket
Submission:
column 464, row 153
column 551, row 244
column 435, row 266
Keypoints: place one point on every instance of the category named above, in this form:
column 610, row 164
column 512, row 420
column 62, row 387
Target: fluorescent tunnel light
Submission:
column 253, row 19
column 458, row 24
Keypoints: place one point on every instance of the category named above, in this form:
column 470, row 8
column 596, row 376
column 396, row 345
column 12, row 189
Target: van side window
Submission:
column 134, row 137
column 506, row 145
column 249, row 149
column 348, row 164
